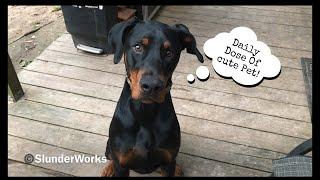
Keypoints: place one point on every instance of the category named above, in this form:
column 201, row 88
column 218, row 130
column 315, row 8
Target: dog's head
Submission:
column 151, row 53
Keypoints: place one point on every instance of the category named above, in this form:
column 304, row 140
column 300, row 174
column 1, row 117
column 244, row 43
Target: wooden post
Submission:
column 148, row 12
column 14, row 86
column 145, row 13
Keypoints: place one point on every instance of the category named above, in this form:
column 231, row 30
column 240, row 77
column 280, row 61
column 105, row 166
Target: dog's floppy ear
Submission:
column 117, row 36
column 187, row 40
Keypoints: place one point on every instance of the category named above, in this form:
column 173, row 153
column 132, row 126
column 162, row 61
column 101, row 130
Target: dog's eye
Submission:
column 138, row 48
column 169, row 53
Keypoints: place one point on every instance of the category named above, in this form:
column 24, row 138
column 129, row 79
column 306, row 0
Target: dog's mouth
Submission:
column 147, row 100
column 156, row 98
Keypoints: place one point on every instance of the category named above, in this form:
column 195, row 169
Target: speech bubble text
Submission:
column 240, row 55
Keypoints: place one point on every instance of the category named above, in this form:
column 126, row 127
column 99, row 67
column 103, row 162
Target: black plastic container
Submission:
column 89, row 26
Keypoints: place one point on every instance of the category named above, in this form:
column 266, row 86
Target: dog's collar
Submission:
column 168, row 88
column 128, row 80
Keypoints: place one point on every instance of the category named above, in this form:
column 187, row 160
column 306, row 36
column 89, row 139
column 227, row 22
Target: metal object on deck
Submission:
column 89, row 25
column 89, row 49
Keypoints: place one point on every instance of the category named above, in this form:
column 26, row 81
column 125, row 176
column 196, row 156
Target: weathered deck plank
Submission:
column 226, row 16
column 267, row 34
column 183, row 69
column 18, row 169
column 19, row 147
column 255, row 13
column 286, row 9
column 288, row 111
column 184, row 65
column 204, row 130
column 71, row 97
column 106, row 108
column 81, row 142
column 220, row 85
column 187, row 146
column 281, row 52
column 72, row 86
column 284, row 80
column 279, row 40
column 40, row 111
column 180, row 92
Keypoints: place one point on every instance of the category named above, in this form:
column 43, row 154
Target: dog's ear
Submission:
column 187, row 40
column 117, row 37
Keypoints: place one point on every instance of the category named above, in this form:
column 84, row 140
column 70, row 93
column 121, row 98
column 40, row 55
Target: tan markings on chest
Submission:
column 131, row 155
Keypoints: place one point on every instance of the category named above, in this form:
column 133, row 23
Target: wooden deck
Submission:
column 227, row 130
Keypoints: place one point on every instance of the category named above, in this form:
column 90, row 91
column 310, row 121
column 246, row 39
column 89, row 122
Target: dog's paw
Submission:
column 178, row 171
column 108, row 171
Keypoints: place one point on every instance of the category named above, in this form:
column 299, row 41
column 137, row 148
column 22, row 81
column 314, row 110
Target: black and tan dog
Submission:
column 144, row 132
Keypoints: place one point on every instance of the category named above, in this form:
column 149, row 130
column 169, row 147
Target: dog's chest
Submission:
column 149, row 137
column 146, row 147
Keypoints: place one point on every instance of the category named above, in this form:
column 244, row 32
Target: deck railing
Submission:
column 14, row 87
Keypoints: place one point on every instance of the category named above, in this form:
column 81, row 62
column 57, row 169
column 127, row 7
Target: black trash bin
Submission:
column 89, row 26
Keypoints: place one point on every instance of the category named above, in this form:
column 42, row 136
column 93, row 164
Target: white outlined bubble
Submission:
column 240, row 55
column 190, row 78
column 202, row 72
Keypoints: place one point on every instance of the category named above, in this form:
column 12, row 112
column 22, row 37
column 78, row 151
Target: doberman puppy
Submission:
column 144, row 133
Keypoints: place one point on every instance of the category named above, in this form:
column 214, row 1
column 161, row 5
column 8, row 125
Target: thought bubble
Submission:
column 190, row 78
column 240, row 55
column 202, row 74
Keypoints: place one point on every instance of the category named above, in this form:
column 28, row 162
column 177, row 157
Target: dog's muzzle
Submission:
column 167, row 88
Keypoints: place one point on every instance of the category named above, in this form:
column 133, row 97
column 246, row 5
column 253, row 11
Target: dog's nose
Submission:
column 150, row 85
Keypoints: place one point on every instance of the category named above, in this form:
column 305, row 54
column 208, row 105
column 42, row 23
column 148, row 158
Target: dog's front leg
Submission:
column 120, row 171
column 109, row 170
column 113, row 169
column 171, row 169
